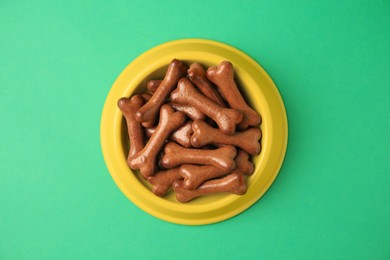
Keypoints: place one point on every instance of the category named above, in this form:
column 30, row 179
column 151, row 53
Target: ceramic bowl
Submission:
column 258, row 89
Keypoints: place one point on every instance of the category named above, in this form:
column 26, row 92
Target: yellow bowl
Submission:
column 260, row 92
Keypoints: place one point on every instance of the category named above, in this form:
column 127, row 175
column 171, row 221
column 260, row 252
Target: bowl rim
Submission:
column 226, row 206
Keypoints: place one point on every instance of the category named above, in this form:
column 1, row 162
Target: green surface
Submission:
column 330, row 61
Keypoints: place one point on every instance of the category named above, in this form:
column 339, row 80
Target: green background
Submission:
column 330, row 61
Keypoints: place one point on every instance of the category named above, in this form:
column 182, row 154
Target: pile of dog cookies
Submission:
column 192, row 131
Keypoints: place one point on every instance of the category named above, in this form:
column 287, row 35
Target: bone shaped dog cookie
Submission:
column 190, row 111
column 195, row 175
column 223, row 76
column 148, row 113
column 204, row 134
column 226, row 118
column 163, row 180
column 145, row 160
column 243, row 164
column 197, row 75
column 222, row 158
column 153, row 84
column 182, row 135
column 128, row 106
column 232, row 183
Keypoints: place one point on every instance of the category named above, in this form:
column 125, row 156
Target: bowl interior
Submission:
column 159, row 73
